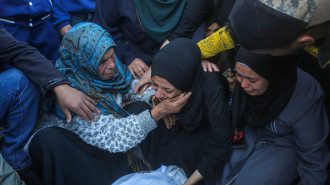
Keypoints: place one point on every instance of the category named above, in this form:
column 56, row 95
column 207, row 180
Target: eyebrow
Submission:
column 166, row 88
column 106, row 57
column 245, row 76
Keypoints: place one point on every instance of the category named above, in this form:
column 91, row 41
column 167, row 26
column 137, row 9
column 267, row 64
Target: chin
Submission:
column 107, row 78
column 251, row 93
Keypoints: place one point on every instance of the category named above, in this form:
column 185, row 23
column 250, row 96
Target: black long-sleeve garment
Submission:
column 198, row 11
column 206, row 148
column 30, row 61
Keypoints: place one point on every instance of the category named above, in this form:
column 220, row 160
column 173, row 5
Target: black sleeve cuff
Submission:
column 55, row 82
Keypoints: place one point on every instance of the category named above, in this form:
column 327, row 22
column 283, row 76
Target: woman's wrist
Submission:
column 155, row 114
column 194, row 178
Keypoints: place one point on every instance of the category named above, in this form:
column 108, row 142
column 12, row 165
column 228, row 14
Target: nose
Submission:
column 244, row 84
column 160, row 94
column 110, row 64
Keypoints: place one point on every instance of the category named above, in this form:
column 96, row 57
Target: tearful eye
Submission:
column 103, row 61
column 113, row 56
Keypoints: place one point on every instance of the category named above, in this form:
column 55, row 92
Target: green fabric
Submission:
column 7, row 174
column 159, row 17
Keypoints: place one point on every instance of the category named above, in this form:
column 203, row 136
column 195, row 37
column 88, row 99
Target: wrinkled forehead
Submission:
column 84, row 45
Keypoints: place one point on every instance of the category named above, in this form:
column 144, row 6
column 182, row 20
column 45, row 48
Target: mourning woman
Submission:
column 281, row 110
column 198, row 138
column 97, row 152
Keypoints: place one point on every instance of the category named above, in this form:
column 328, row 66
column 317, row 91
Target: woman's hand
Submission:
column 137, row 68
column 208, row 66
column 64, row 30
column 231, row 81
column 169, row 120
column 194, row 178
column 143, row 83
column 71, row 99
column 164, row 43
column 170, row 106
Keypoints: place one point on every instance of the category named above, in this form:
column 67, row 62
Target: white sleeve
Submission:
column 145, row 96
column 110, row 133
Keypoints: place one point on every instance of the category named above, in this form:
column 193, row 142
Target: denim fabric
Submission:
column 81, row 17
column 19, row 100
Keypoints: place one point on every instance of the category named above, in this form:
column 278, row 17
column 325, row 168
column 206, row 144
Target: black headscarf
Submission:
column 259, row 110
column 179, row 62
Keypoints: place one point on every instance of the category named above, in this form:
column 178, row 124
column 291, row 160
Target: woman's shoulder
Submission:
column 307, row 93
column 307, row 87
column 215, row 81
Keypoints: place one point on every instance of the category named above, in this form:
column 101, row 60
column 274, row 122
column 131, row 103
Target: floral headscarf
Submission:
column 81, row 51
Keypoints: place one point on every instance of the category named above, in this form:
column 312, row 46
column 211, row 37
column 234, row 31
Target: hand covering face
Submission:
column 179, row 62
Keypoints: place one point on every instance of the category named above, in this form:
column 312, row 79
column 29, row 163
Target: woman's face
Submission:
column 163, row 88
column 251, row 82
column 106, row 68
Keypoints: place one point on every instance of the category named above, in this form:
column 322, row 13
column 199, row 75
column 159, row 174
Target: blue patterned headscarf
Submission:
column 81, row 51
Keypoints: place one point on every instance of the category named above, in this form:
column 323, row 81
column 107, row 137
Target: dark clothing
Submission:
column 53, row 148
column 35, row 22
column 119, row 18
column 158, row 18
column 78, row 6
column 201, row 138
column 19, row 97
column 206, row 148
column 29, row 11
column 91, row 165
column 180, row 64
column 281, row 76
column 311, row 65
column 26, row 58
column 42, row 36
column 259, row 25
column 79, row 10
column 299, row 134
column 198, row 11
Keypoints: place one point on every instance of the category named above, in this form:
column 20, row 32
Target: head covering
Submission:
column 179, row 62
column 159, row 17
column 268, row 24
column 81, row 51
column 262, row 109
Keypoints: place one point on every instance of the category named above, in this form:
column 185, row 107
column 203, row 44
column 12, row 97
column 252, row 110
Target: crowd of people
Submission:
column 212, row 92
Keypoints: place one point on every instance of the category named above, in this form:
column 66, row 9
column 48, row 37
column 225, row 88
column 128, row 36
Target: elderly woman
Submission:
column 281, row 109
column 93, row 153
column 198, row 138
